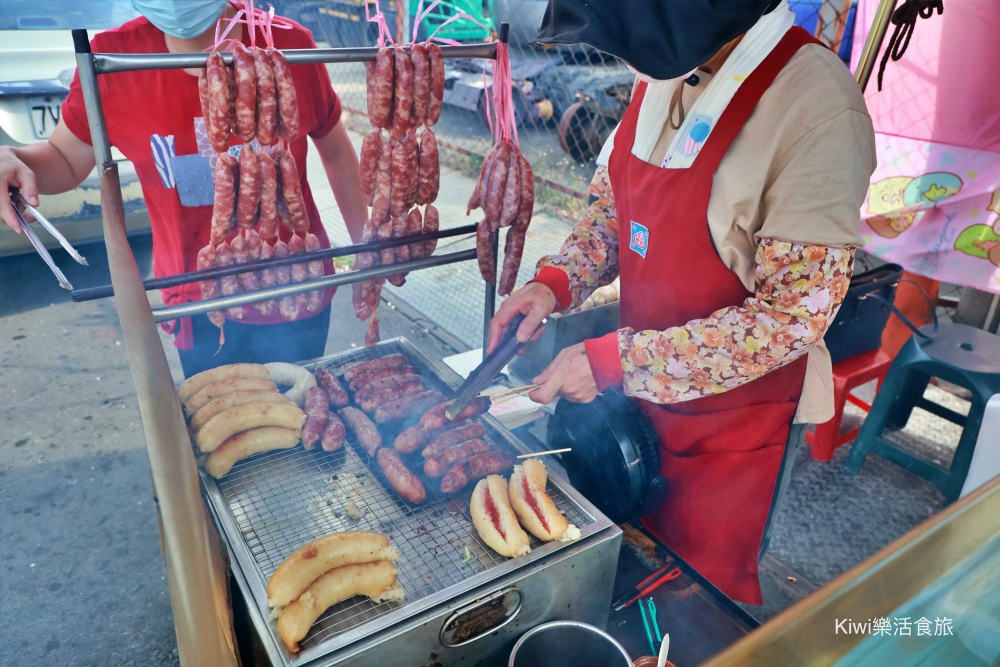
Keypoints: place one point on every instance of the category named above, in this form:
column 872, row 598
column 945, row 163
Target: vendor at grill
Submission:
column 727, row 200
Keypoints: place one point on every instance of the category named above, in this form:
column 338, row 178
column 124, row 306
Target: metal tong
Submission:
column 18, row 199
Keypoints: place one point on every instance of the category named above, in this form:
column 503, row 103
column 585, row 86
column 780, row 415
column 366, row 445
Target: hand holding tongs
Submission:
column 18, row 199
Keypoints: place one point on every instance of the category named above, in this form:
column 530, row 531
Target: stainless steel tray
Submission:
column 272, row 503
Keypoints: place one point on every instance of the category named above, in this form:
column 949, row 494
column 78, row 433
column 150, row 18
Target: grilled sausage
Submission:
column 435, row 417
column 382, row 198
column 245, row 417
column 333, row 434
column 402, row 92
column 317, row 416
column 224, row 205
column 249, row 197
column 375, row 364
column 400, row 477
column 267, row 97
column 437, row 466
column 367, row 391
column 410, row 439
column 219, row 111
column 484, row 252
column 210, row 289
column 429, row 171
column 436, row 100
column 360, row 382
column 373, row 400
column 421, row 84
column 228, row 385
column 331, row 385
column 380, row 103
column 453, row 436
column 432, row 221
column 230, row 400
column 364, row 431
column 288, row 104
column 476, row 467
column 406, row 407
column 291, row 189
column 511, row 190
column 246, row 93
column 371, row 146
column 246, row 444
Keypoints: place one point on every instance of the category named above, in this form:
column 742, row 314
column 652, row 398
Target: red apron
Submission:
column 720, row 454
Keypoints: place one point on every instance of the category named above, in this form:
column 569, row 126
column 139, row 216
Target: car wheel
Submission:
column 578, row 134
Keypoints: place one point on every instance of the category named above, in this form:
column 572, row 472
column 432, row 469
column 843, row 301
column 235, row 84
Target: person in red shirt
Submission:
column 154, row 118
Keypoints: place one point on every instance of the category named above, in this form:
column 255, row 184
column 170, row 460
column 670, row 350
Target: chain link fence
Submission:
column 567, row 98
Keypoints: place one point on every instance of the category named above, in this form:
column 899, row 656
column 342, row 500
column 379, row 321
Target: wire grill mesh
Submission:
column 280, row 500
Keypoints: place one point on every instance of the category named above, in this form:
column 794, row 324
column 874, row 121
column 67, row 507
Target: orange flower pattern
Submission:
column 799, row 289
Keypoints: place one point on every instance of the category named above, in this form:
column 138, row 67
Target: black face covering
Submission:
column 662, row 39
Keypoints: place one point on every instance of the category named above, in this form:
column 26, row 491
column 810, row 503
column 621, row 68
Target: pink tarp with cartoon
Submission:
column 934, row 201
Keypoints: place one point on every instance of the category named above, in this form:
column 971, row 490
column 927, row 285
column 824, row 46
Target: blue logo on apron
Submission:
column 639, row 239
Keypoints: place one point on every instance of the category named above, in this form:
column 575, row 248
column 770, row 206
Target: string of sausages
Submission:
column 505, row 190
column 400, row 167
column 258, row 191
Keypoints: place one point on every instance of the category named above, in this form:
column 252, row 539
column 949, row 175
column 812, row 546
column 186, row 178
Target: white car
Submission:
column 37, row 62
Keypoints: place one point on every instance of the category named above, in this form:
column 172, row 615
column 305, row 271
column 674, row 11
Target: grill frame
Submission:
column 407, row 525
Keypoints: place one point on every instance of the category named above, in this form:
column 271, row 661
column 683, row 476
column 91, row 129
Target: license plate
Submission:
column 44, row 110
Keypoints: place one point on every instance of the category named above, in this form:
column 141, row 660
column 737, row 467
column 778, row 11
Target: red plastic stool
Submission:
column 847, row 375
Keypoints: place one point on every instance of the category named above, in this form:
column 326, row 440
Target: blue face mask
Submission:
column 183, row 19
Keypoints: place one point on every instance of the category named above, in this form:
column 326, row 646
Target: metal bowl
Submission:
column 559, row 643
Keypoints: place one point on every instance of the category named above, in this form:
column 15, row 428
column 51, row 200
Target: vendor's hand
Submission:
column 568, row 376
column 14, row 173
column 535, row 301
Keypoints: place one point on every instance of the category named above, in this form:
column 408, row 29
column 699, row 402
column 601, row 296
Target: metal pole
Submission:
column 196, row 578
column 874, row 42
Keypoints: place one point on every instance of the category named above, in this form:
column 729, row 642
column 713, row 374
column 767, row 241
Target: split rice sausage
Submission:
column 213, row 390
column 476, row 467
column 219, row 112
column 268, row 277
column 245, row 417
column 224, row 204
column 372, row 401
column 314, row 269
column 249, row 197
column 291, row 190
column 371, row 147
column 510, row 206
column 380, row 103
column 245, row 75
column 376, row 581
column 199, row 381
column 429, row 171
column 333, row 434
column 246, row 444
column 413, row 162
column 313, row 559
column 210, row 289
column 366, row 392
column 476, row 200
column 435, row 417
column 230, row 284
column 493, row 197
column 331, row 385
column 375, row 364
column 402, row 92
column 406, row 407
column 534, row 508
column 484, row 252
column 398, row 204
column 374, row 374
column 436, row 466
column 288, row 104
column 432, row 222
column 436, row 99
column 372, row 336
column 317, row 416
column 267, row 97
column 231, row 400
column 267, row 225
column 454, row 436
column 400, row 477
column 421, row 84
column 382, row 197
column 364, row 431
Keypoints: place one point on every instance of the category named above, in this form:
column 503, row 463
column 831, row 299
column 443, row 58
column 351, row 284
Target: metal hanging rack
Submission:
column 91, row 65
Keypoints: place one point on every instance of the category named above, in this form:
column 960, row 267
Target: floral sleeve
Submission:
column 590, row 255
column 799, row 289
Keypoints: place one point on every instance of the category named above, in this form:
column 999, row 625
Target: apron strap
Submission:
column 625, row 134
column 746, row 98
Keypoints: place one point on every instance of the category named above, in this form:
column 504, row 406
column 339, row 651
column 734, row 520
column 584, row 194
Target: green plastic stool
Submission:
column 957, row 353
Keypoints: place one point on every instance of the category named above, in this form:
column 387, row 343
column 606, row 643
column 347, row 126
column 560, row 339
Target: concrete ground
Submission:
column 82, row 581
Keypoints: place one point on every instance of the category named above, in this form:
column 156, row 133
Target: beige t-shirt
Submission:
column 798, row 171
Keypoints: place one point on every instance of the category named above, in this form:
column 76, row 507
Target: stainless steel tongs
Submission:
column 17, row 199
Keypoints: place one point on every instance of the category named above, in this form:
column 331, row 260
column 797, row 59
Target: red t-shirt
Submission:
column 154, row 118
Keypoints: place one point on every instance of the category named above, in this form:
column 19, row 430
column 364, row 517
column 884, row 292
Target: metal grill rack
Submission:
column 273, row 503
